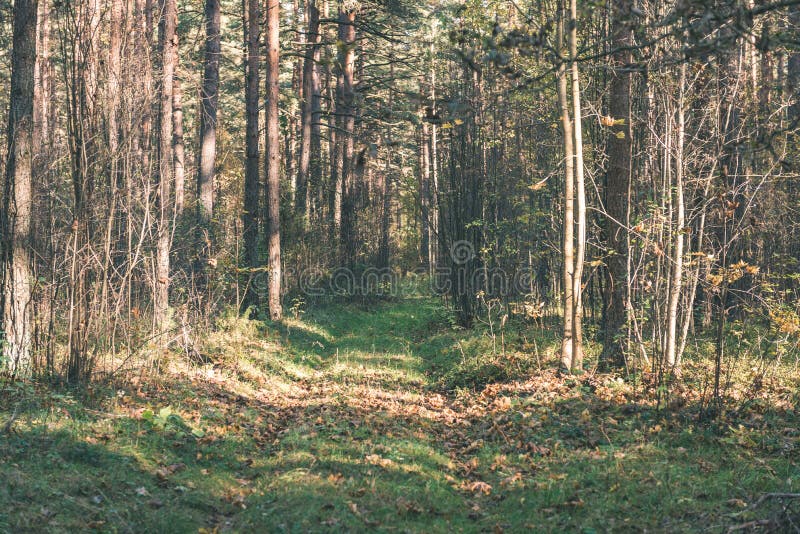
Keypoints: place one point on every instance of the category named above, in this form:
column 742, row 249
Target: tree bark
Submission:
column 209, row 98
column 273, row 163
column 15, row 282
column 309, row 154
column 580, row 194
column 179, row 147
column 569, row 199
column 618, row 190
column 679, row 209
column 345, row 110
column 252, row 184
column 167, row 42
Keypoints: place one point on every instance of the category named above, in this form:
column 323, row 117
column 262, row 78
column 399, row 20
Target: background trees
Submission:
column 629, row 168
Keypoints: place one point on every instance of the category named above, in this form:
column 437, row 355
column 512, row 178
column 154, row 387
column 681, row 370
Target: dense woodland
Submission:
column 617, row 179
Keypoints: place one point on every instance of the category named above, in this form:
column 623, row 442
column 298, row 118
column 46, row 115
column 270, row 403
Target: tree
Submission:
column 273, row 164
column 252, row 182
column 346, row 114
column 617, row 190
column 567, row 343
column 209, row 101
column 167, row 48
column 16, row 275
column 308, row 167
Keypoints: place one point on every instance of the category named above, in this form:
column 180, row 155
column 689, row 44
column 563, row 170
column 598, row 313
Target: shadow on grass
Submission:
column 361, row 444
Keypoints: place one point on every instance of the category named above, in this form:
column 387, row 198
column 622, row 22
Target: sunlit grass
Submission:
column 354, row 419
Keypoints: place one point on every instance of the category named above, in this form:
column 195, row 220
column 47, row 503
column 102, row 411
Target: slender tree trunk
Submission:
column 425, row 195
column 178, row 147
column 617, row 192
column 273, row 160
column 567, row 345
column 679, row 208
column 114, row 77
column 580, row 194
column 42, row 94
column 167, row 41
column 345, row 110
column 16, row 275
column 209, row 98
column 309, row 107
column 435, row 242
column 793, row 72
column 252, row 189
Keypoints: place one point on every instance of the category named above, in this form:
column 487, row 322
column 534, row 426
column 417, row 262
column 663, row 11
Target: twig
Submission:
column 750, row 524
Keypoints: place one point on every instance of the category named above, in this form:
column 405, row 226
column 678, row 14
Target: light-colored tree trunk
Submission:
column 178, row 147
column 309, row 114
column 580, row 196
column 164, row 178
column 567, row 345
column 209, row 98
column 345, row 109
column 273, row 163
column 679, row 209
column 42, row 92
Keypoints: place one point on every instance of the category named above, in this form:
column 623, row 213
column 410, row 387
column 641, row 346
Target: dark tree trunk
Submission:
column 16, row 275
column 345, row 110
column 252, row 184
column 617, row 192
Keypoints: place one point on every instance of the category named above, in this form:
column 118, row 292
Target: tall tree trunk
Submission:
column 678, row 207
column 567, row 345
column 164, row 180
column 425, row 195
column 42, row 93
column 309, row 108
column 252, row 183
column 345, row 110
column 209, row 98
column 580, row 194
column 273, row 163
column 793, row 72
column 114, row 76
column 618, row 189
column 15, row 282
column 178, row 147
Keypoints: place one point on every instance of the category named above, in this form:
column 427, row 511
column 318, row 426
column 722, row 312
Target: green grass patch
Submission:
column 385, row 417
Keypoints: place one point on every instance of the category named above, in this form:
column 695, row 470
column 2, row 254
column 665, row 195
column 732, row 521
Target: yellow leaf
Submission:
column 538, row 185
column 620, row 135
column 458, row 122
column 446, row 126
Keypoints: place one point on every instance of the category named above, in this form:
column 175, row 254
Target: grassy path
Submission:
column 336, row 422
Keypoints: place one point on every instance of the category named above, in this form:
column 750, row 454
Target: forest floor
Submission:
column 388, row 418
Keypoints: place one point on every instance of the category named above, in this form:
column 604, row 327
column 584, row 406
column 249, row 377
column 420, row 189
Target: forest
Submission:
column 397, row 266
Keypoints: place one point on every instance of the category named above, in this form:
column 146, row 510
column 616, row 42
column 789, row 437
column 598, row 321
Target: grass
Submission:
column 387, row 418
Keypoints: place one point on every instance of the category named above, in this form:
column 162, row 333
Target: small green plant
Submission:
column 168, row 421
column 297, row 307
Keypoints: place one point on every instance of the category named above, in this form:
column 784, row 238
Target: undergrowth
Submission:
column 385, row 416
